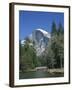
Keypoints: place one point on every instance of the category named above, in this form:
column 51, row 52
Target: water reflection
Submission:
column 39, row 74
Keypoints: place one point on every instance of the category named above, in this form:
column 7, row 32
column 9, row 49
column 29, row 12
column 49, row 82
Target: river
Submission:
column 39, row 74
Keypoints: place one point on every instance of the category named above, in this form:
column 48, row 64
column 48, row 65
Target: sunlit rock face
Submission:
column 39, row 38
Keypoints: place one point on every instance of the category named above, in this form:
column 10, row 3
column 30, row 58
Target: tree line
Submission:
column 52, row 57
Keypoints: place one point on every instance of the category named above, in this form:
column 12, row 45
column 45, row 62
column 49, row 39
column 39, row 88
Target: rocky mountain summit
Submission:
column 39, row 38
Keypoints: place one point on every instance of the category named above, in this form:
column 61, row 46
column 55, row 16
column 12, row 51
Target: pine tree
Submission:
column 61, row 45
column 54, row 30
column 55, row 50
column 28, row 56
column 60, row 29
column 50, row 58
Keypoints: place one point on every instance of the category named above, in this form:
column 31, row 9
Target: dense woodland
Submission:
column 53, row 56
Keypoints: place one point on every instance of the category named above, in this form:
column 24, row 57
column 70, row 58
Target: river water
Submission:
column 39, row 74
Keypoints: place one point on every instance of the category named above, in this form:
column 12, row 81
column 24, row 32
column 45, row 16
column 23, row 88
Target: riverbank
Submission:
column 56, row 70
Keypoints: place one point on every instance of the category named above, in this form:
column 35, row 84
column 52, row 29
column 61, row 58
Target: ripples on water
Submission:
column 39, row 74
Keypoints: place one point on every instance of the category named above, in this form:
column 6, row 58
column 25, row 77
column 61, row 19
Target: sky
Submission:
column 32, row 20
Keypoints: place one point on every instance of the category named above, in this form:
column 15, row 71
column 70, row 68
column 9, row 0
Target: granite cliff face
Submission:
column 39, row 38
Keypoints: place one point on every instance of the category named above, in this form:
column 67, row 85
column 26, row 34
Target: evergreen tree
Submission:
column 50, row 57
column 61, row 45
column 60, row 29
column 57, row 46
column 55, row 49
column 54, row 30
column 28, row 56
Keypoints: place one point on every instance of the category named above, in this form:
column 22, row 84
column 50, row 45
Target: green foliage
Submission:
column 28, row 57
column 60, row 29
column 42, row 60
column 54, row 29
column 50, row 58
column 55, row 58
column 58, row 49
